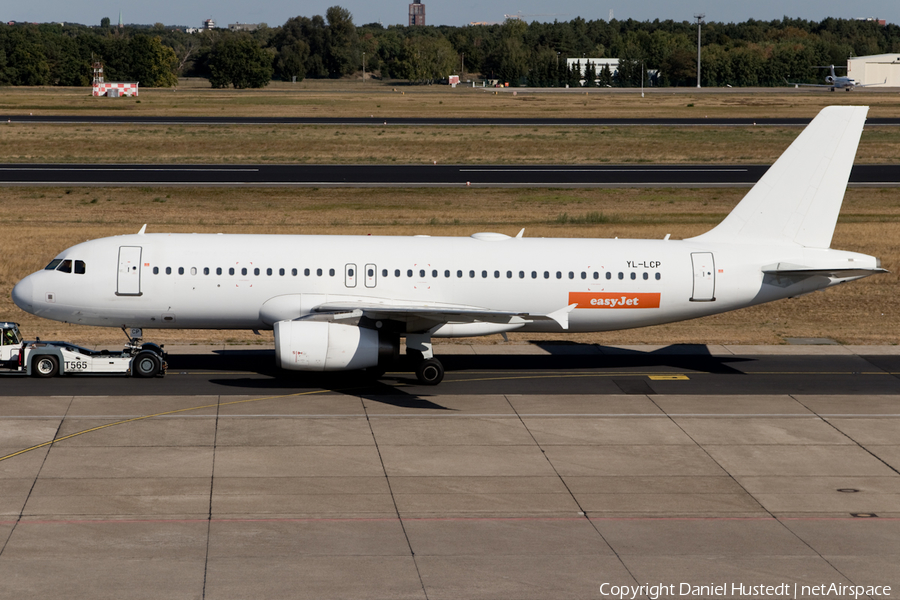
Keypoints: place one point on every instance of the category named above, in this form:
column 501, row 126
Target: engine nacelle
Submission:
column 329, row 346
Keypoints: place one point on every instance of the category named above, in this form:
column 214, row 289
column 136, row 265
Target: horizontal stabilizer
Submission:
column 798, row 200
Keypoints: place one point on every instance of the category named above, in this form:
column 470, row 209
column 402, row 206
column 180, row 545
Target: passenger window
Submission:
column 306, row 272
column 509, row 274
column 244, row 271
column 231, row 270
column 434, row 273
column 218, row 270
column 65, row 266
column 657, row 276
column 294, row 272
column 621, row 275
column 331, row 272
column 583, row 275
column 534, row 274
column 168, row 270
column 193, row 270
column 608, row 275
column 521, row 274
column 484, row 274
column 546, row 274
column 79, row 267
column 472, row 274
column 206, row 270
column 371, row 272
column 596, row 275
column 459, row 273
column 53, row 264
column 181, row 270
column 559, row 274
column 350, row 272
column 497, row 274
column 646, row 276
column 396, row 272
column 384, row 272
column 256, row 271
column 633, row 276
column 318, row 272
column 447, row 273
column 409, row 273
column 571, row 275
column 156, row 270
column 281, row 272
column 422, row 273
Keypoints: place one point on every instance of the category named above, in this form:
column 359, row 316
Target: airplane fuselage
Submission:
column 199, row 281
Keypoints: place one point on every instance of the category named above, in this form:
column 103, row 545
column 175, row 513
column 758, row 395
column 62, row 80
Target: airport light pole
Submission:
column 699, row 18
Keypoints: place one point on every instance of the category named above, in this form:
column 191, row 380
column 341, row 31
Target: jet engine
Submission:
column 329, row 346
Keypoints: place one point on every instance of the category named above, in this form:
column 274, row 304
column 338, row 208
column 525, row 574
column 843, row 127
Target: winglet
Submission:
column 143, row 229
column 561, row 316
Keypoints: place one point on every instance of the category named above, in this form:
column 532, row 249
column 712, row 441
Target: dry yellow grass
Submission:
column 344, row 98
column 246, row 144
column 40, row 222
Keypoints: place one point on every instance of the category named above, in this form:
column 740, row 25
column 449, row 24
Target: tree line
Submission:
column 752, row 53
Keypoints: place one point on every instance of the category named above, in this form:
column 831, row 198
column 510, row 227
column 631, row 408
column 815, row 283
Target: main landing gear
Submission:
column 429, row 370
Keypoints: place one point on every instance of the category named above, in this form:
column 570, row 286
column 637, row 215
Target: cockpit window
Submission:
column 53, row 264
column 65, row 266
column 79, row 267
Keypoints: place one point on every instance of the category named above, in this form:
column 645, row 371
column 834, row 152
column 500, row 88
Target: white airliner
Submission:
column 344, row 302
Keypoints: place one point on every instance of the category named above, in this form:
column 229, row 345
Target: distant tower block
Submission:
column 416, row 13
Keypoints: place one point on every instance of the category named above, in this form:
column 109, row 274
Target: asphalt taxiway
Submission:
column 531, row 472
column 310, row 175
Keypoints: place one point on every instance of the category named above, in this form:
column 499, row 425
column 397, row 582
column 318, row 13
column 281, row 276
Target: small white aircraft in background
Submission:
column 834, row 82
column 344, row 302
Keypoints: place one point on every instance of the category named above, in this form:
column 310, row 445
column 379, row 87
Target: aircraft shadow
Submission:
column 400, row 388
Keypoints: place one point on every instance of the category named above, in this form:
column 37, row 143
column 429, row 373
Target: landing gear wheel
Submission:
column 145, row 364
column 45, row 366
column 430, row 372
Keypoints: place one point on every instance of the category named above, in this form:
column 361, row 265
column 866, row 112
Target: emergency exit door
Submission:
column 129, row 278
column 704, row 277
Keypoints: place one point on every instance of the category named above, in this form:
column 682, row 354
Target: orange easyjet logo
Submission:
column 613, row 300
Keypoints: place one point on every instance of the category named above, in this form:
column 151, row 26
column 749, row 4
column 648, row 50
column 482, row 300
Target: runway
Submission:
column 479, row 488
column 374, row 121
column 412, row 175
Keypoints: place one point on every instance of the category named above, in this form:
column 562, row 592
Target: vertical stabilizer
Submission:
column 798, row 200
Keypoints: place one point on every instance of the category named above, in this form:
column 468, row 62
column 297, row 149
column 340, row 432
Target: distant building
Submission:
column 243, row 26
column 879, row 70
column 209, row 24
column 597, row 63
column 416, row 13
column 111, row 89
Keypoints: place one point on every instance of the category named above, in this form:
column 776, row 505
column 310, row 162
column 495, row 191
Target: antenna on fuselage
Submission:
column 143, row 229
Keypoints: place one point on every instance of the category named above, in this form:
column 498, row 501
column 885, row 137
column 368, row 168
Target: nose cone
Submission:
column 23, row 294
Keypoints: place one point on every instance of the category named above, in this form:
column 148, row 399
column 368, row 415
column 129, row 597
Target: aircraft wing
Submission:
column 868, row 84
column 443, row 314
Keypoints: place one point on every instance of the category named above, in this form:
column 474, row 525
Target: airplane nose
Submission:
column 22, row 295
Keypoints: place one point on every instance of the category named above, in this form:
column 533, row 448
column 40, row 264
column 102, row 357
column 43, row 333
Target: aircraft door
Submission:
column 129, row 277
column 350, row 276
column 371, row 275
column 704, row 277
